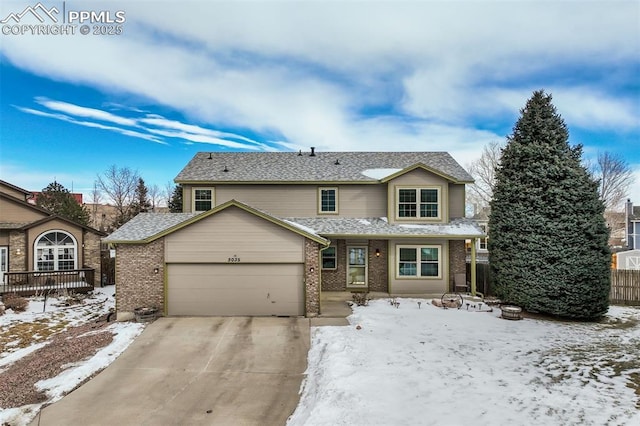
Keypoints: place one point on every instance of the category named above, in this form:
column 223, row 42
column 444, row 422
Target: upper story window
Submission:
column 202, row 199
column 419, row 203
column 55, row 251
column 327, row 200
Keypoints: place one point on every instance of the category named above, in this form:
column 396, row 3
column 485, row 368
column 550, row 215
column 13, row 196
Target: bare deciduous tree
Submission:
column 615, row 177
column 155, row 197
column 483, row 171
column 119, row 184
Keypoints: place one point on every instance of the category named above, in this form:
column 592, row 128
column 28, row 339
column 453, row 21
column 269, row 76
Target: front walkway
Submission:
column 335, row 306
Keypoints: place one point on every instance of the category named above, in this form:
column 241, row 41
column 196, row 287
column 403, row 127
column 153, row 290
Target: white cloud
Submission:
column 306, row 73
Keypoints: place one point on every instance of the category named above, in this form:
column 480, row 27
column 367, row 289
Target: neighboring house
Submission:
column 632, row 215
column 629, row 259
column 33, row 239
column 265, row 233
column 481, row 244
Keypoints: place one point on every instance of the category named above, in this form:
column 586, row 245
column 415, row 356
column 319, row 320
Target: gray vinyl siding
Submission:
column 456, row 200
column 302, row 200
column 234, row 233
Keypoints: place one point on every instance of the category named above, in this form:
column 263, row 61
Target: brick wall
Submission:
column 311, row 279
column 91, row 255
column 336, row 280
column 17, row 262
column 136, row 283
column 457, row 260
column 378, row 266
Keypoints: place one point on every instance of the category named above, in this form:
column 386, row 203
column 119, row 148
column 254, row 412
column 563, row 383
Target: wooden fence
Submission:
column 625, row 284
column 625, row 287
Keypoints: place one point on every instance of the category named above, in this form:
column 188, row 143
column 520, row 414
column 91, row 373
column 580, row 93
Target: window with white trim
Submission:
column 55, row 251
column 328, row 200
column 419, row 203
column 329, row 258
column 419, row 261
column 202, row 199
column 482, row 242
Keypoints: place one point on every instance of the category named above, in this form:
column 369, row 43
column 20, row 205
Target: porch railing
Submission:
column 31, row 282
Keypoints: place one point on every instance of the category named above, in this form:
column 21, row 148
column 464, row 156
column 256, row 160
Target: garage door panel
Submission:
column 235, row 289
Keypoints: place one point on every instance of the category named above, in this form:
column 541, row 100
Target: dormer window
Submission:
column 202, row 199
column 418, row 203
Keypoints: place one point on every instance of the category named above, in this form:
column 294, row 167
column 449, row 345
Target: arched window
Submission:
column 55, row 251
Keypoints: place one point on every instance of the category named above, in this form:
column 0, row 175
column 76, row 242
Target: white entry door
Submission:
column 4, row 262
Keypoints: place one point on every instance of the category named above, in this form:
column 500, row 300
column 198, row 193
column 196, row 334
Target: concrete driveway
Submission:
column 196, row 371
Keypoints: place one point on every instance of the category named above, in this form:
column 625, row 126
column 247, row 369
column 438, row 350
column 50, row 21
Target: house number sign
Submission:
column 234, row 259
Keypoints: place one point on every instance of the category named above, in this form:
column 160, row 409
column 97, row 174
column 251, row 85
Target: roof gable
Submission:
column 419, row 166
column 134, row 232
column 322, row 167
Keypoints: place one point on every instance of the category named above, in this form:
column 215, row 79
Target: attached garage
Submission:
column 230, row 260
column 235, row 289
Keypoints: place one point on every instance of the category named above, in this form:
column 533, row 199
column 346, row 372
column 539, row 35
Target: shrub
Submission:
column 15, row 302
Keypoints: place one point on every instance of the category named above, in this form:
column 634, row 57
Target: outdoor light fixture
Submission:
column 156, row 270
column 377, row 252
column 18, row 251
column 311, row 269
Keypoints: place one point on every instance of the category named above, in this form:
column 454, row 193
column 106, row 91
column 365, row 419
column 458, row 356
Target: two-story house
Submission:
column 37, row 245
column 630, row 259
column 265, row 233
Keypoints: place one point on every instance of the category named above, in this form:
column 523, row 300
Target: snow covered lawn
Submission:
column 33, row 342
column 431, row 366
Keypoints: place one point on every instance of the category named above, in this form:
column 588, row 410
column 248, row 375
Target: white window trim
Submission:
column 481, row 239
column 55, row 259
column 418, row 217
column 327, row 188
column 418, row 269
column 335, row 256
column 193, row 197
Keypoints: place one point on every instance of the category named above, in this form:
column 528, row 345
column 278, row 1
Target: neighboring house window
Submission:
column 328, row 200
column 418, row 203
column 202, row 199
column 55, row 251
column 482, row 242
column 419, row 261
column 634, row 237
column 329, row 258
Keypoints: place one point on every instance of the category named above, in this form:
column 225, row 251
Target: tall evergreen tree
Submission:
column 547, row 235
column 175, row 203
column 141, row 203
column 57, row 199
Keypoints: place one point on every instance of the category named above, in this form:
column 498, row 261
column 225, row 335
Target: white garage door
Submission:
column 235, row 289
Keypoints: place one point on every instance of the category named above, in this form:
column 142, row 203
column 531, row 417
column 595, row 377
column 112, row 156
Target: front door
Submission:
column 4, row 265
column 356, row 267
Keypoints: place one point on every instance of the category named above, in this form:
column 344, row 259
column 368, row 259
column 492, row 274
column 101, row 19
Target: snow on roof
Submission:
column 379, row 173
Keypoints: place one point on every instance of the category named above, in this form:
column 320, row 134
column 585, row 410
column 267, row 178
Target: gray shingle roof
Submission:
column 146, row 225
column 380, row 227
column 293, row 167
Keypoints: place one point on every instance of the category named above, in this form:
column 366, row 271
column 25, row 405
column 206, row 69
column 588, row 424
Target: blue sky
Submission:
column 192, row 76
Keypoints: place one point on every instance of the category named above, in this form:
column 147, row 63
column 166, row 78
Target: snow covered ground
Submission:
column 26, row 332
column 418, row 365
column 425, row 365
